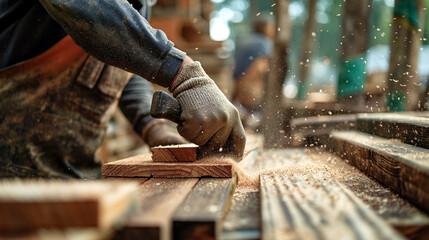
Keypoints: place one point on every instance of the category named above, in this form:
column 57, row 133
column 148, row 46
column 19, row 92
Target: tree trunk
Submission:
column 353, row 48
column 273, row 111
column 403, row 90
column 306, row 50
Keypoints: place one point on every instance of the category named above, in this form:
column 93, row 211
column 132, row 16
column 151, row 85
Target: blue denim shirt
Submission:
column 115, row 32
column 112, row 31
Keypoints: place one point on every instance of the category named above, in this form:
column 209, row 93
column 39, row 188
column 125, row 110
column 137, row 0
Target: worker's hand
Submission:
column 208, row 118
column 158, row 133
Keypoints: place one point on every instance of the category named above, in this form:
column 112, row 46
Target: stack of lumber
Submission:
column 391, row 148
column 315, row 130
column 296, row 193
column 54, row 207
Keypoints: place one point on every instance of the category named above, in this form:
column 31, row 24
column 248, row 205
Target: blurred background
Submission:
column 209, row 31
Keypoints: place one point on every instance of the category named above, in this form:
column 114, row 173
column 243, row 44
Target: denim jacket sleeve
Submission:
column 135, row 102
column 115, row 33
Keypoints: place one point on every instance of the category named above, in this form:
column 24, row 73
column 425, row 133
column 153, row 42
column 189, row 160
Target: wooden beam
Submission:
column 393, row 209
column 319, row 127
column 61, row 234
column 175, row 153
column 402, row 167
column 409, row 129
column 311, row 208
column 29, row 205
column 274, row 128
column 201, row 214
column 160, row 198
column 244, row 218
column 143, row 166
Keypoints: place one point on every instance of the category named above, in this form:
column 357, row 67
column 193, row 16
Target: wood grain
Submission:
column 28, row 205
column 142, row 166
column 396, row 211
column 201, row 214
column 309, row 208
column 408, row 128
column 307, row 130
column 160, row 197
column 175, row 153
column 402, row 167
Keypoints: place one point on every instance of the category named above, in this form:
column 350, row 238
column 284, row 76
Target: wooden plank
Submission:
column 201, row 215
column 175, row 153
column 310, row 208
column 243, row 218
column 160, row 197
column 143, row 166
column 409, row 129
column 61, row 234
column 402, row 167
column 396, row 211
column 28, row 205
column 311, row 129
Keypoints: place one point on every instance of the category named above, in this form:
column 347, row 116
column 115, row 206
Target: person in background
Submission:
column 65, row 65
column 251, row 66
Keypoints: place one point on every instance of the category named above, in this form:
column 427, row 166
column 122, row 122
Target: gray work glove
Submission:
column 208, row 118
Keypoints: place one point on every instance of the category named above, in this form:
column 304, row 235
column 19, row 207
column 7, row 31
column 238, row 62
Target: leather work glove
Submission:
column 208, row 118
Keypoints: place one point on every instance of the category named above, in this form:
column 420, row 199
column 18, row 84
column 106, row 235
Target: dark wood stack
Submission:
column 392, row 148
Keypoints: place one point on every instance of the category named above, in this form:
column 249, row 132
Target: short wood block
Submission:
column 175, row 153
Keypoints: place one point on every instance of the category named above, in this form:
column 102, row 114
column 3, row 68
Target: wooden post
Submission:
column 403, row 91
column 273, row 112
column 306, row 50
column 353, row 47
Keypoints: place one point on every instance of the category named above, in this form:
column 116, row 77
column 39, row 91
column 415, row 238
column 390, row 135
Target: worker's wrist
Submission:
column 170, row 66
column 186, row 60
column 147, row 128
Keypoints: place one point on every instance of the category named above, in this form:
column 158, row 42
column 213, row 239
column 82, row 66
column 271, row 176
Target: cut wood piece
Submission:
column 402, row 167
column 28, row 205
column 408, row 128
column 175, row 153
column 159, row 200
column 316, row 129
column 309, row 208
column 143, row 166
column 201, row 214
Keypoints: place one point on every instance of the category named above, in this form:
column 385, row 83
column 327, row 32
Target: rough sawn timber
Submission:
column 202, row 213
column 402, row 167
column 160, row 198
column 143, row 166
column 309, row 208
column 409, row 129
column 28, row 205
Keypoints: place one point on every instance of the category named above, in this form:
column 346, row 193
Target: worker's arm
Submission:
column 115, row 33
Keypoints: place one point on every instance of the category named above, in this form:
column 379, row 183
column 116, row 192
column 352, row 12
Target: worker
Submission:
column 251, row 66
column 63, row 67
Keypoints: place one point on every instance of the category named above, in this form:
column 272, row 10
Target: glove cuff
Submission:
column 190, row 72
